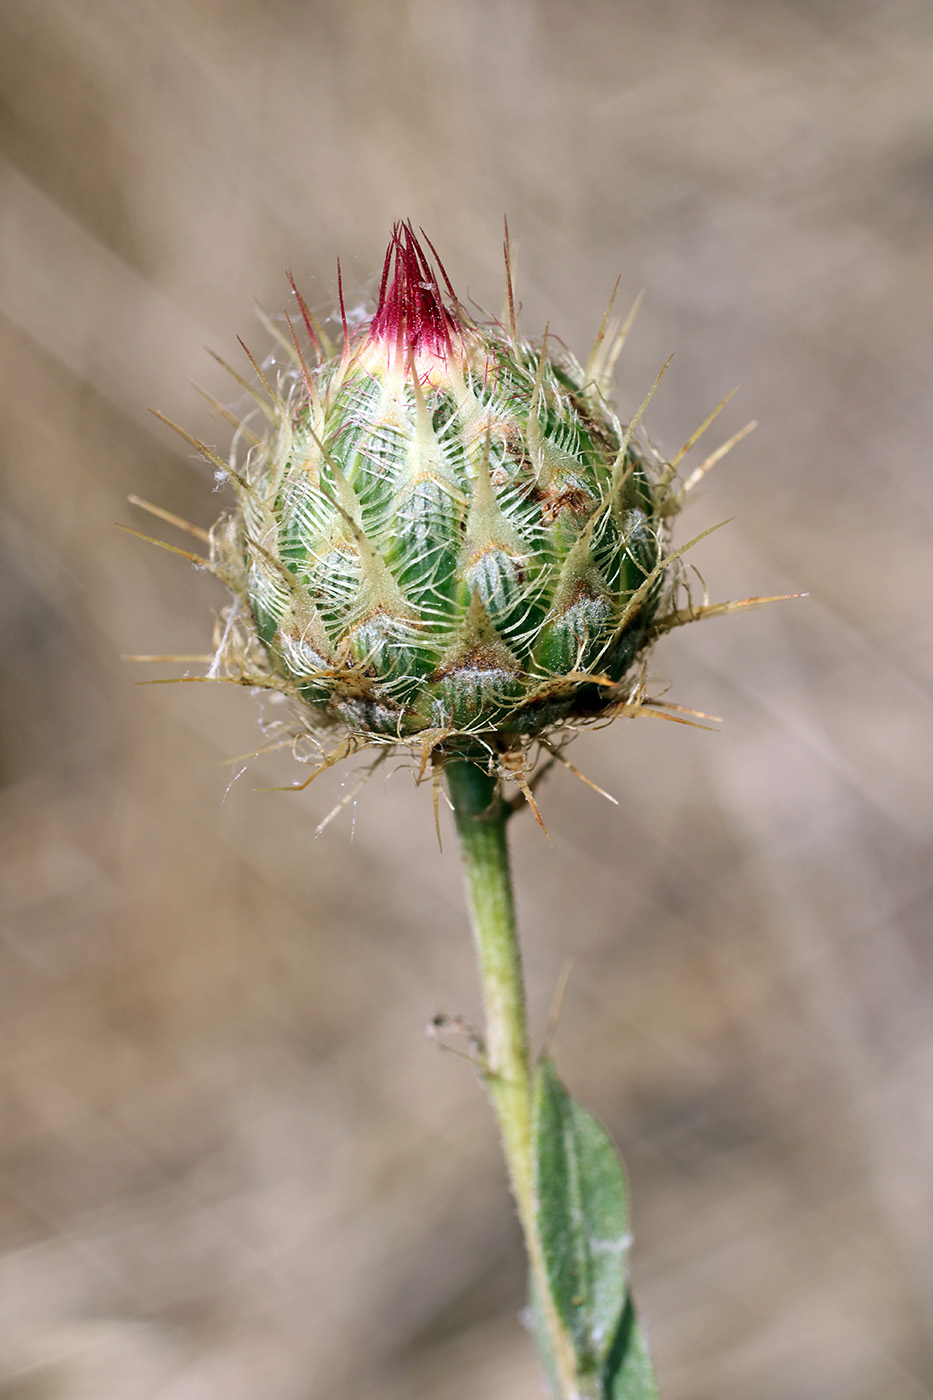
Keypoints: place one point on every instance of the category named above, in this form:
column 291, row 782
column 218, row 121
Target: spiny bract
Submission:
column 446, row 538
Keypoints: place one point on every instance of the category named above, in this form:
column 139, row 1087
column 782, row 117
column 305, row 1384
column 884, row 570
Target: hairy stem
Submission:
column 481, row 818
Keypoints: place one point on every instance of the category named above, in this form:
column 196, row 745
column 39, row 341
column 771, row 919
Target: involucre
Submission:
column 446, row 530
column 445, row 538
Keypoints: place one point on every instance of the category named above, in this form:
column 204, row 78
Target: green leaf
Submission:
column 583, row 1223
column 628, row 1374
column 582, row 1215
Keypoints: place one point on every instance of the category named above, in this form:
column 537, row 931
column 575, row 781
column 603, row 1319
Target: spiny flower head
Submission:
column 445, row 537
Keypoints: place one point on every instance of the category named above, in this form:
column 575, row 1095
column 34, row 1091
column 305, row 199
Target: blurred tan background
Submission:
column 231, row 1163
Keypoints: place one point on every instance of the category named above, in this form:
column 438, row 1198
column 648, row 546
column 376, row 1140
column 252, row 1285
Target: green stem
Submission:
column 481, row 818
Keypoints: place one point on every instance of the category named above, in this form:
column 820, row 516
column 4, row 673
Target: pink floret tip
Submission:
column 411, row 315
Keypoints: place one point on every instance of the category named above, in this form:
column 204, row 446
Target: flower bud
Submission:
column 445, row 531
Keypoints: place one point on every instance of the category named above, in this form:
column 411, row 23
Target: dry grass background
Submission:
column 231, row 1164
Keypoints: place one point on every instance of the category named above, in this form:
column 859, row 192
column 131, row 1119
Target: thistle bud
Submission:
column 446, row 537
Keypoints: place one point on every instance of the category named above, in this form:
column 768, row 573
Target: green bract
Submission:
column 446, row 532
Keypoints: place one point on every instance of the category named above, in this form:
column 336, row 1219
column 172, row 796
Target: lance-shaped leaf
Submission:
column 628, row 1373
column 582, row 1209
column 583, row 1221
